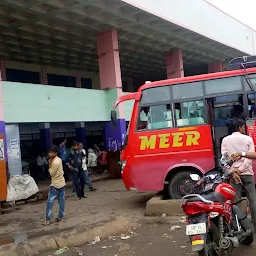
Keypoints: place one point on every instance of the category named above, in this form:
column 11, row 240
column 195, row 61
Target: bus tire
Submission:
column 181, row 184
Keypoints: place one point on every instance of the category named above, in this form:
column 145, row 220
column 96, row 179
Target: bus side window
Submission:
column 155, row 117
column 251, row 105
column 190, row 113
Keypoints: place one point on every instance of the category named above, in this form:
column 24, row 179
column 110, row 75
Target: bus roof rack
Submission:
column 242, row 63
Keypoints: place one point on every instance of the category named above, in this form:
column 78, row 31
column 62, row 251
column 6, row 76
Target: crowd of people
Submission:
column 63, row 166
column 95, row 161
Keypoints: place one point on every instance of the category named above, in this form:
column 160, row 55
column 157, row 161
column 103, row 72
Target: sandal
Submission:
column 46, row 223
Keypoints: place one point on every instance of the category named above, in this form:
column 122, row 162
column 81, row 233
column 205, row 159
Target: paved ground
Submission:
column 109, row 201
column 147, row 240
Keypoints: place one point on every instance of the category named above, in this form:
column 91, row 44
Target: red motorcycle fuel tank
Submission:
column 227, row 191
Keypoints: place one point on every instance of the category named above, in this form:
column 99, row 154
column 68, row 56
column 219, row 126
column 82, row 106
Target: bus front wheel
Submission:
column 181, row 184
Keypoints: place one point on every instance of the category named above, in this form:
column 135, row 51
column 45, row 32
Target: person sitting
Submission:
column 144, row 118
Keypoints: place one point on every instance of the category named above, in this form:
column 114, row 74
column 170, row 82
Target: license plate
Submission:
column 196, row 229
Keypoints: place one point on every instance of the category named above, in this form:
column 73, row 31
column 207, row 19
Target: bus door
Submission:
column 210, row 114
column 222, row 110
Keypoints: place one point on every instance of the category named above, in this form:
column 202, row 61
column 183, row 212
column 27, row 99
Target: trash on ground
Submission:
column 164, row 215
column 149, row 243
column 133, row 233
column 183, row 246
column 79, row 253
column 96, row 240
column 173, row 228
column 125, row 237
column 61, row 250
column 167, row 236
column 104, row 247
column 183, row 220
column 113, row 238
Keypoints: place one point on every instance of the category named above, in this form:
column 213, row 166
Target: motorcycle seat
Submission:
column 210, row 197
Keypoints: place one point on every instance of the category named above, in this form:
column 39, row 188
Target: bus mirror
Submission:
column 113, row 117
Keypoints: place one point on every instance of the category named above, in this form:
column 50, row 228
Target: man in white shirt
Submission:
column 84, row 166
column 42, row 164
column 239, row 142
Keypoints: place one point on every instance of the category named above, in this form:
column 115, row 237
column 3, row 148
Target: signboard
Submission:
column 13, row 149
column 3, row 172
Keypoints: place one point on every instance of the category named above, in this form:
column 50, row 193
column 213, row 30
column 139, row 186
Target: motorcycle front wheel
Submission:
column 211, row 247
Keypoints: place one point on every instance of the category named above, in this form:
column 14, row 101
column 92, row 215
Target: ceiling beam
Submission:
column 132, row 20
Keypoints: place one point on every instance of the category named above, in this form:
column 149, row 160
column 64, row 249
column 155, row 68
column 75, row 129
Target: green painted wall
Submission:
column 43, row 103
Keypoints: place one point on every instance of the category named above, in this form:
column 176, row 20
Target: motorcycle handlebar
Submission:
column 224, row 177
column 200, row 182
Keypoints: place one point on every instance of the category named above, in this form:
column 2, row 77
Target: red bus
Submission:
column 177, row 126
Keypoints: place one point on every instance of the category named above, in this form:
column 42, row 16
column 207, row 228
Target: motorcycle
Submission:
column 215, row 224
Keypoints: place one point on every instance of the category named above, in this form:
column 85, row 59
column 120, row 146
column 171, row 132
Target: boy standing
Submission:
column 56, row 187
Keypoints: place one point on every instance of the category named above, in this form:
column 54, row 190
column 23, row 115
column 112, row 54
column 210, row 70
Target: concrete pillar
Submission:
column 111, row 80
column 78, row 80
column 215, row 67
column 80, row 132
column 174, row 64
column 43, row 75
column 45, row 136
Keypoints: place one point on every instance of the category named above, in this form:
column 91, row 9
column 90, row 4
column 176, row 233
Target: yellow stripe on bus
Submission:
column 197, row 242
column 187, row 128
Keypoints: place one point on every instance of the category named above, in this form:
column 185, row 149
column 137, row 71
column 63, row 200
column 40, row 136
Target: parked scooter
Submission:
column 215, row 224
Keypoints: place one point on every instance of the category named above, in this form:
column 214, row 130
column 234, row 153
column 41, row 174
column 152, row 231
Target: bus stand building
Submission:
column 63, row 63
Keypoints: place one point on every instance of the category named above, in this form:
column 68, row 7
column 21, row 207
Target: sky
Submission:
column 243, row 10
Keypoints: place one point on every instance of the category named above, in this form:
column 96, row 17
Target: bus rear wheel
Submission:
column 181, row 185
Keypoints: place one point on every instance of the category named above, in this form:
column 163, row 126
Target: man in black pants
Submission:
column 242, row 171
column 75, row 165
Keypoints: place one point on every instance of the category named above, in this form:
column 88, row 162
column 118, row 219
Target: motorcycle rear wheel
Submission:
column 212, row 240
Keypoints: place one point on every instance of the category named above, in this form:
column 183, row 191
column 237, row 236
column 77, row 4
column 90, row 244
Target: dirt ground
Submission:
column 147, row 240
column 109, row 201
